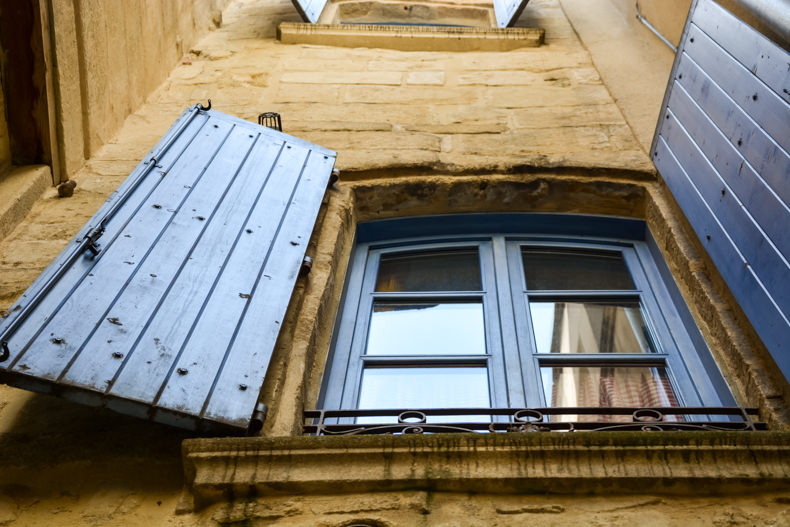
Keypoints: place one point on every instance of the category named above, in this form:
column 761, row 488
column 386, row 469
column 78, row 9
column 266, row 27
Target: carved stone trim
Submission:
column 595, row 462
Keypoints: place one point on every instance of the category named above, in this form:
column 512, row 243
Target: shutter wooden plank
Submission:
column 760, row 255
column 752, row 195
column 764, row 314
column 174, row 278
column 310, row 10
column 77, row 271
column 223, row 304
column 184, row 244
column 771, row 163
column 757, row 54
column 722, row 145
column 759, row 101
column 87, row 306
column 253, row 344
column 508, row 11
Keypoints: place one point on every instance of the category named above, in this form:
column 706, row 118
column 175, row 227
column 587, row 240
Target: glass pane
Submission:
column 571, row 269
column 424, row 387
column 453, row 270
column 589, row 327
column 606, row 386
column 426, row 328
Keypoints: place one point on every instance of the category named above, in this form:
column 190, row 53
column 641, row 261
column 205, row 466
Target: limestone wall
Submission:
column 667, row 16
column 536, row 129
column 111, row 55
column 5, row 145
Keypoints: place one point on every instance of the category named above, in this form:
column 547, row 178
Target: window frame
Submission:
column 511, row 355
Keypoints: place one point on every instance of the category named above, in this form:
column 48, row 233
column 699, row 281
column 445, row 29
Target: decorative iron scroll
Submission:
column 565, row 419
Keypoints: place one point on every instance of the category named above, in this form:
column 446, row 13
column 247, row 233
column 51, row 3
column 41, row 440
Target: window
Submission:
column 546, row 313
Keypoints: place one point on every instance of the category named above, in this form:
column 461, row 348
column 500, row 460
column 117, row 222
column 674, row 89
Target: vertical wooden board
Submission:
column 769, row 161
column 87, row 306
column 254, row 341
column 758, row 252
column 310, row 10
column 242, row 275
column 508, row 11
column 761, row 103
column 72, row 265
column 171, row 344
column 737, row 176
column 767, row 61
column 765, row 315
column 183, row 262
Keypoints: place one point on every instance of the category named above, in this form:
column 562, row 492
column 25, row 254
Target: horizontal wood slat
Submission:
column 722, row 146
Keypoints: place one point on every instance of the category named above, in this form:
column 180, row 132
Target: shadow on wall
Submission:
column 56, row 446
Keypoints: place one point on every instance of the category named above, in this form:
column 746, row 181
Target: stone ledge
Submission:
column 565, row 463
column 410, row 38
column 20, row 189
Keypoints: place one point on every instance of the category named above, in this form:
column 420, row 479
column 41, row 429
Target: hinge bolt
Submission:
column 307, row 265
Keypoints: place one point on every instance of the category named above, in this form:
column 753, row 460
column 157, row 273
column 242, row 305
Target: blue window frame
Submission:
column 515, row 310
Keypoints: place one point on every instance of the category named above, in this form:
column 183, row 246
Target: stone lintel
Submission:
column 410, row 38
column 521, row 463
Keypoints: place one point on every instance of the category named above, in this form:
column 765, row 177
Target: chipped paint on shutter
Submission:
column 310, row 10
column 508, row 11
column 176, row 317
column 722, row 145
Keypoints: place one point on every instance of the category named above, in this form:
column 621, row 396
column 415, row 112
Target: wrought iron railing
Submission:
column 564, row 419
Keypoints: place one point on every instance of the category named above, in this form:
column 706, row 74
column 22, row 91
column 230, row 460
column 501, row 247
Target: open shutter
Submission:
column 310, row 10
column 722, row 145
column 176, row 315
column 508, row 11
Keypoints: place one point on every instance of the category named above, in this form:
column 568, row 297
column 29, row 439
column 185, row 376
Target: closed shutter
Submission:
column 723, row 147
column 175, row 318
column 508, row 11
column 310, row 9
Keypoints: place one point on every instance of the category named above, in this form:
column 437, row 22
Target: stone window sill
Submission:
column 566, row 463
column 410, row 38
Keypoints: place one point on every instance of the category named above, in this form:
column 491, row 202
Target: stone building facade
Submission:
column 560, row 128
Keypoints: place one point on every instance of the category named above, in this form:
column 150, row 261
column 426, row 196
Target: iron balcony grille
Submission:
column 421, row 421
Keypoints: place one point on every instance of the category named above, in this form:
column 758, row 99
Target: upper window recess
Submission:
column 426, row 13
column 423, row 25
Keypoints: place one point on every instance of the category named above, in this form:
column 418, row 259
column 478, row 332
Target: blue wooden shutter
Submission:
column 310, row 9
column 508, row 11
column 175, row 318
column 723, row 147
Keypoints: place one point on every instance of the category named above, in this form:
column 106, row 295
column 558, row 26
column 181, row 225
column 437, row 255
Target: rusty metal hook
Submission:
column 205, row 108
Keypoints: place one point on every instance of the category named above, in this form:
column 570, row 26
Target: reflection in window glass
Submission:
column 426, row 328
column 452, row 270
column 424, row 387
column 547, row 268
column 606, row 386
column 589, row 327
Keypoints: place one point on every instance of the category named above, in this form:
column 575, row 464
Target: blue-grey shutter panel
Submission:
column 508, row 11
column 310, row 10
column 175, row 319
column 722, row 145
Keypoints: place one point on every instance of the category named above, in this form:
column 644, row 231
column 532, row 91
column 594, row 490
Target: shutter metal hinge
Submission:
column 333, row 178
column 92, row 237
column 4, row 351
column 258, row 418
column 271, row 120
column 307, row 266
column 204, row 108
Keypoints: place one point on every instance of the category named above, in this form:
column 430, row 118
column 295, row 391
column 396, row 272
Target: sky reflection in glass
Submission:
column 424, row 387
column 426, row 328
